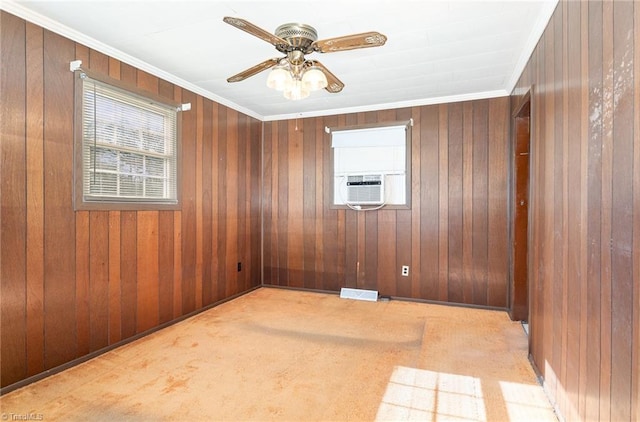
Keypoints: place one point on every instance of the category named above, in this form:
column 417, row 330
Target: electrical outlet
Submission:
column 405, row 271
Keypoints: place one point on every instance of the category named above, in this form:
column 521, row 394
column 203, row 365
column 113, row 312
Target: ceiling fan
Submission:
column 294, row 73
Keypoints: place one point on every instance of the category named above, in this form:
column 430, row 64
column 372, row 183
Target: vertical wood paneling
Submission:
column 429, row 179
column 207, row 204
column 75, row 282
column 128, row 273
column 283, row 203
column 83, row 282
column 243, row 247
column 199, row 222
column 497, row 194
column 221, row 203
column 255, row 167
column 165, row 266
column 309, row 208
column 188, row 217
column 571, row 164
column 330, row 224
column 585, row 170
column 83, row 272
column 552, row 192
column 231, row 203
column 547, row 192
column 99, row 279
column 594, row 217
column 455, row 229
column 468, row 145
column 320, row 182
column 267, row 209
column 147, row 294
column 480, row 161
column 115, row 292
column 622, row 212
column 177, row 233
column 386, row 251
column 405, row 243
column 59, row 237
column 295, row 202
column 584, row 156
column 371, row 257
column 443, row 203
column 605, row 234
column 35, row 205
column 416, row 215
column 635, row 368
column 13, row 199
column 459, row 168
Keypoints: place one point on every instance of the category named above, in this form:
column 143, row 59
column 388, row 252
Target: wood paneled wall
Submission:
column 585, row 232
column 454, row 237
column 76, row 282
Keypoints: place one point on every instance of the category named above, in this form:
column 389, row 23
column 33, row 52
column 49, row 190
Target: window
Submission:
column 371, row 166
column 126, row 148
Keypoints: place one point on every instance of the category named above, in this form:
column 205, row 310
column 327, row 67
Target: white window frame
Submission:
column 127, row 163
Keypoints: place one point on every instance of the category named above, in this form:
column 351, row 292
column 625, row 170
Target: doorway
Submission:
column 519, row 292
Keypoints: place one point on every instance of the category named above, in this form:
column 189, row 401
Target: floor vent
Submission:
column 359, row 294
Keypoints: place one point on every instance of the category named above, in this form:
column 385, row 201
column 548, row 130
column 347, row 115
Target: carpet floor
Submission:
column 276, row 354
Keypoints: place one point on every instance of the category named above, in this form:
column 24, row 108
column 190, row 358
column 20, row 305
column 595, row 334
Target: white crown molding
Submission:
column 19, row 10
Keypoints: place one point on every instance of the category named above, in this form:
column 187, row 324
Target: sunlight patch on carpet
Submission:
column 518, row 401
column 418, row 394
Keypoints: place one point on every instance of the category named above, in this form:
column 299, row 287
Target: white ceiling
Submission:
column 437, row 51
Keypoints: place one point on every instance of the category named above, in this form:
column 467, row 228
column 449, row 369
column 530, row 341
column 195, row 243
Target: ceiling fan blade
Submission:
column 255, row 31
column 254, row 70
column 334, row 85
column 349, row 42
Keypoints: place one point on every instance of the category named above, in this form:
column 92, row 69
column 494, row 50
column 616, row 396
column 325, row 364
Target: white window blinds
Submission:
column 129, row 146
column 387, row 136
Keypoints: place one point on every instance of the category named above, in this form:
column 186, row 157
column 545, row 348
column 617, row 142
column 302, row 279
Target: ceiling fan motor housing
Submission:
column 299, row 36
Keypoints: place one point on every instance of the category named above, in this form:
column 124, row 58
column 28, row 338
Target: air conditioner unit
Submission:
column 365, row 189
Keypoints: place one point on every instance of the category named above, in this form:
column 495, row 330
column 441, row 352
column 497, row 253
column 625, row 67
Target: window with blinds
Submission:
column 128, row 146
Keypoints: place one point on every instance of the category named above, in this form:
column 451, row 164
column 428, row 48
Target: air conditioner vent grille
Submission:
column 365, row 189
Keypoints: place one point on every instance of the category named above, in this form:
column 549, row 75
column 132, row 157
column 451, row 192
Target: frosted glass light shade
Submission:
column 279, row 78
column 314, row 79
column 296, row 91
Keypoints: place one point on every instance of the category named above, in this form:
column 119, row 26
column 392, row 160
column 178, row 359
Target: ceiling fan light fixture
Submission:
column 296, row 91
column 279, row 78
column 314, row 79
column 293, row 74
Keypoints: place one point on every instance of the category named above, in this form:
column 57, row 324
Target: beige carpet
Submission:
column 287, row 355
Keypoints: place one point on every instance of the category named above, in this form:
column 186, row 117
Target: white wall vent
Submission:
column 365, row 189
column 359, row 294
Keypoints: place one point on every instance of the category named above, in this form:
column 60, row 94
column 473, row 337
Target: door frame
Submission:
column 519, row 297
